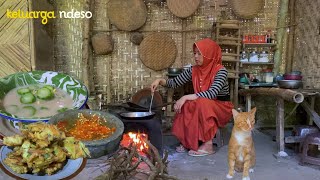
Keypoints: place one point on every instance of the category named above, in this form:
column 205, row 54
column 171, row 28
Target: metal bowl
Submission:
column 98, row 147
column 175, row 70
column 290, row 84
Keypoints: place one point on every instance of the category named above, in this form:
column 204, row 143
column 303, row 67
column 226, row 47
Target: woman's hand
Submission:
column 156, row 83
column 178, row 105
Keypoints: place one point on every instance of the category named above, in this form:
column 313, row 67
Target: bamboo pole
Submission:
column 291, row 37
column 87, row 65
column 285, row 94
column 32, row 39
column 280, row 35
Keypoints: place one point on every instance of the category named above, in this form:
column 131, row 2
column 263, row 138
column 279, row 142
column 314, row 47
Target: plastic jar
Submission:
column 253, row 57
column 264, row 56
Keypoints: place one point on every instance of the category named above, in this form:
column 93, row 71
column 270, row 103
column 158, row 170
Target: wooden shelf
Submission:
column 228, row 43
column 229, row 60
column 233, row 77
column 257, row 63
column 228, row 27
column 230, row 54
column 259, row 44
column 229, row 38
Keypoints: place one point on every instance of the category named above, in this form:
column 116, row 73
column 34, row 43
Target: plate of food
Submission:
column 38, row 95
column 40, row 152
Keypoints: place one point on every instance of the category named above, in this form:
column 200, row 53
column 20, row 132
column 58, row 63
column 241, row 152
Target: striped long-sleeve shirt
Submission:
column 219, row 86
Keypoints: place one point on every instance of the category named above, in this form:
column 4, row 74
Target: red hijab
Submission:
column 203, row 76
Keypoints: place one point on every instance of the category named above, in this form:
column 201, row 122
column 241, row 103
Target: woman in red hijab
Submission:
column 199, row 115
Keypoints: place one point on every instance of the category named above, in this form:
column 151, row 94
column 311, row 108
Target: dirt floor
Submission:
column 215, row 167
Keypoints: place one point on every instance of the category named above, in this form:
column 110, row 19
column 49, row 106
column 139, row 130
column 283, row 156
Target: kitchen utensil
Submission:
column 137, row 115
column 292, row 77
column 175, row 70
column 290, row 84
column 296, row 72
column 69, row 170
column 151, row 102
column 98, row 147
column 76, row 89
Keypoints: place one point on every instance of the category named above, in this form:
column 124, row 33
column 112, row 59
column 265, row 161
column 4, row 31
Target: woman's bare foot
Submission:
column 204, row 150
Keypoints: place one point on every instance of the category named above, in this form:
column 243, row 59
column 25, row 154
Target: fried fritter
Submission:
column 42, row 148
column 15, row 140
column 74, row 148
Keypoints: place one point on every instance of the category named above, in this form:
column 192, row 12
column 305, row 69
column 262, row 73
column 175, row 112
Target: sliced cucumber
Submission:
column 29, row 111
column 23, row 91
column 51, row 88
column 62, row 110
column 45, row 94
column 27, row 98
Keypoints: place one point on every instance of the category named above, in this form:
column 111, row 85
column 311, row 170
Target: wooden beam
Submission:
column 281, row 32
column 291, row 38
column 312, row 113
column 87, row 64
column 280, row 124
column 286, row 94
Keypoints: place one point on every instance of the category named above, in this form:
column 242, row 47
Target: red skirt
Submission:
column 199, row 121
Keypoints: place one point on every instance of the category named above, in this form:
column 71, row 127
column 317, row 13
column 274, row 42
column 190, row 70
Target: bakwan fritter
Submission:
column 42, row 148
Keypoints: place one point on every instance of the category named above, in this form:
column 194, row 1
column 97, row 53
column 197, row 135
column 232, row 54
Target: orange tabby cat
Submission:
column 241, row 154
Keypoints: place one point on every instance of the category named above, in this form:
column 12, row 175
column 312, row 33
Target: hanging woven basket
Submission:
column 157, row 51
column 127, row 15
column 246, row 9
column 183, row 8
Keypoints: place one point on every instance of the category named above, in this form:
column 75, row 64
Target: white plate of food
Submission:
column 69, row 170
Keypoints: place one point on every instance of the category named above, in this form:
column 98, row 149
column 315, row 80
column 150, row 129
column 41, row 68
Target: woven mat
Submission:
column 157, row 51
column 143, row 98
column 127, row 15
column 246, row 9
column 183, row 8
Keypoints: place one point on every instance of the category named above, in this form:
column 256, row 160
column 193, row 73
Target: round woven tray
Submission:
column 157, row 51
column 183, row 8
column 127, row 15
column 246, row 9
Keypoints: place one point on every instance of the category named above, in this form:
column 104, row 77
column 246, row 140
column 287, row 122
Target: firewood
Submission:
column 127, row 159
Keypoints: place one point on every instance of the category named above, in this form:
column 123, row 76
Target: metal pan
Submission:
column 137, row 115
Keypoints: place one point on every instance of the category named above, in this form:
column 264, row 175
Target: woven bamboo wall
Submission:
column 306, row 57
column 15, row 35
column 68, row 39
column 119, row 75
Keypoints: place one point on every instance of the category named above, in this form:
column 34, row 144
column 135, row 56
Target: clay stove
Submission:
column 149, row 126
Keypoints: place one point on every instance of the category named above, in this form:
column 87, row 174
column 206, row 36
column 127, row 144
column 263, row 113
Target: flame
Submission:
column 138, row 139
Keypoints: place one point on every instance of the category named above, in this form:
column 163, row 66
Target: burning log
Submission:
column 125, row 162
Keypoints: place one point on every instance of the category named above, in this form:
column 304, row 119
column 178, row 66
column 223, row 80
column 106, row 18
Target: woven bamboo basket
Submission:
column 183, row 8
column 246, row 9
column 158, row 51
column 127, row 15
